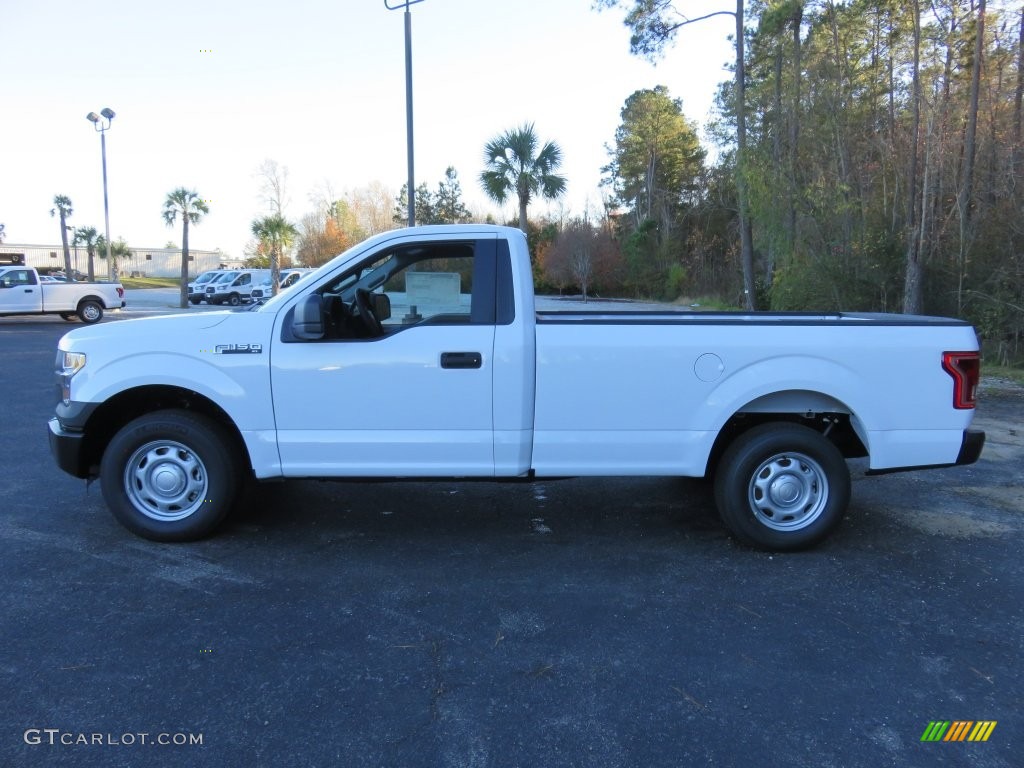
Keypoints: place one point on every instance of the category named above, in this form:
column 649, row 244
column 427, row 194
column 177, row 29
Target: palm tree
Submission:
column 62, row 207
column 191, row 208
column 277, row 234
column 514, row 164
column 87, row 236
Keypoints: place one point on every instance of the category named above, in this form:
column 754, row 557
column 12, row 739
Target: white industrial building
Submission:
column 143, row 262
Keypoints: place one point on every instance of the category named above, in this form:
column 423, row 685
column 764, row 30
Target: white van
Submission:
column 234, row 287
column 197, row 288
column 289, row 277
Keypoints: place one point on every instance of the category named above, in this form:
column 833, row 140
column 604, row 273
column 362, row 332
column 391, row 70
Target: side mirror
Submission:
column 308, row 321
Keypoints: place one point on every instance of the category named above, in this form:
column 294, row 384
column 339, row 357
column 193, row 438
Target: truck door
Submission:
column 20, row 291
column 400, row 384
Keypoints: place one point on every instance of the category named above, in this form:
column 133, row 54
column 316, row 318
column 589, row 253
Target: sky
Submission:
column 205, row 92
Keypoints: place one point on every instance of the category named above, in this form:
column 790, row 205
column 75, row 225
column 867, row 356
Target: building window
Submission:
column 53, row 254
column 149, row 257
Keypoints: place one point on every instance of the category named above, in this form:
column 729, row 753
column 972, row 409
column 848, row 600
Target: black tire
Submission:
column 170, row 476
column 194, row 299
column 90, row 311
column 234, row 299
column 69, row 316
column 782, row 487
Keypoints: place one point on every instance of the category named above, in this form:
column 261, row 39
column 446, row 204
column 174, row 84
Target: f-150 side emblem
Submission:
column 238, row 349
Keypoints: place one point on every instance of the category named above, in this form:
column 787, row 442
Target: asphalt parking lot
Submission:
column 572, row 623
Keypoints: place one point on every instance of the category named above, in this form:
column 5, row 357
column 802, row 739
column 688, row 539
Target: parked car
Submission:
column 420, row 353
column 23, row 291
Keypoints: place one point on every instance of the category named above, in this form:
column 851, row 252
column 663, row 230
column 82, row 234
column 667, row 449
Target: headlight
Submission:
column 68, row 364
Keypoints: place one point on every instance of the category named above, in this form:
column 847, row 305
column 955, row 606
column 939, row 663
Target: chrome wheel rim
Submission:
column 788, row 491
column 165, row 480
column 91, row 312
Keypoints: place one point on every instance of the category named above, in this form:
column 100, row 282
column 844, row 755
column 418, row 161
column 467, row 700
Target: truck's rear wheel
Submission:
column 782, row 487
column 90, row 311
column 170, row 476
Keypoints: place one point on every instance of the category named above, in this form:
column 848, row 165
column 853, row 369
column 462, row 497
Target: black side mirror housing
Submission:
column 308, row 320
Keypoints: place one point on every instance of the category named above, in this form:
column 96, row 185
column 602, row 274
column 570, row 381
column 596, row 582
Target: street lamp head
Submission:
column 108, row 113
column 92, row 117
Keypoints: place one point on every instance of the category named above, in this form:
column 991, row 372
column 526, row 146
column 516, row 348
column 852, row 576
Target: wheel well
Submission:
column 836, row 426
column 106, row 420
column 84, row 299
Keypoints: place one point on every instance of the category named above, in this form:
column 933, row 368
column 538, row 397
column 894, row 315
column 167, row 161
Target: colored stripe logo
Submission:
column 958, row 730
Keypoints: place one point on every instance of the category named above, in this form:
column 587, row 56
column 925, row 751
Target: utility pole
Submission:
column 408, row 100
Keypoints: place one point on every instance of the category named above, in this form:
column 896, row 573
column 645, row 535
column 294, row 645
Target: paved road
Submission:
column 574, row 623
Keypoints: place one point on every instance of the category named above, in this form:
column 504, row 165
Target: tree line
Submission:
column 880, row 164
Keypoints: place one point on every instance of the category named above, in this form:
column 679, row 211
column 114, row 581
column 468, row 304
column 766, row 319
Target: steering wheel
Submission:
column 364, row 306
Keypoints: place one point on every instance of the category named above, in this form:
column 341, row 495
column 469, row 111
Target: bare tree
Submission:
column 274, row 185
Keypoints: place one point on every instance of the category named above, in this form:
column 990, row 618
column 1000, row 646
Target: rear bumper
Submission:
column 970, row 448
column 971, row 443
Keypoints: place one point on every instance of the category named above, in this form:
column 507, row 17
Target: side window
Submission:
column 437, row 289
column 18, row 277
column 245, row 279
column 422, row 284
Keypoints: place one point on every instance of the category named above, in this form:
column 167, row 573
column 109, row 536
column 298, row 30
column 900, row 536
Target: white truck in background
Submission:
column 23, row 292
column 419, row 353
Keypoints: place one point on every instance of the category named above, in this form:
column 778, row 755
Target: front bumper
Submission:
column 68, row 449
column 68, row 443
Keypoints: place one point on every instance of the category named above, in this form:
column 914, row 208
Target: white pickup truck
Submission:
column 23, row 292
column 419, row 353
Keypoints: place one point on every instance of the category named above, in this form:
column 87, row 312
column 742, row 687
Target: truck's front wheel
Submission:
column 782, row 487
column 170, row 476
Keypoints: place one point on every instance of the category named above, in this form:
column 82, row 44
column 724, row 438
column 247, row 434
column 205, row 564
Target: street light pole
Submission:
column 102, row 126
column 408, row 101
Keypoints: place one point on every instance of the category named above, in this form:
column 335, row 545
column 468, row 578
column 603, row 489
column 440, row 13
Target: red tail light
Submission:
column 120, row 292
column 965, row 368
